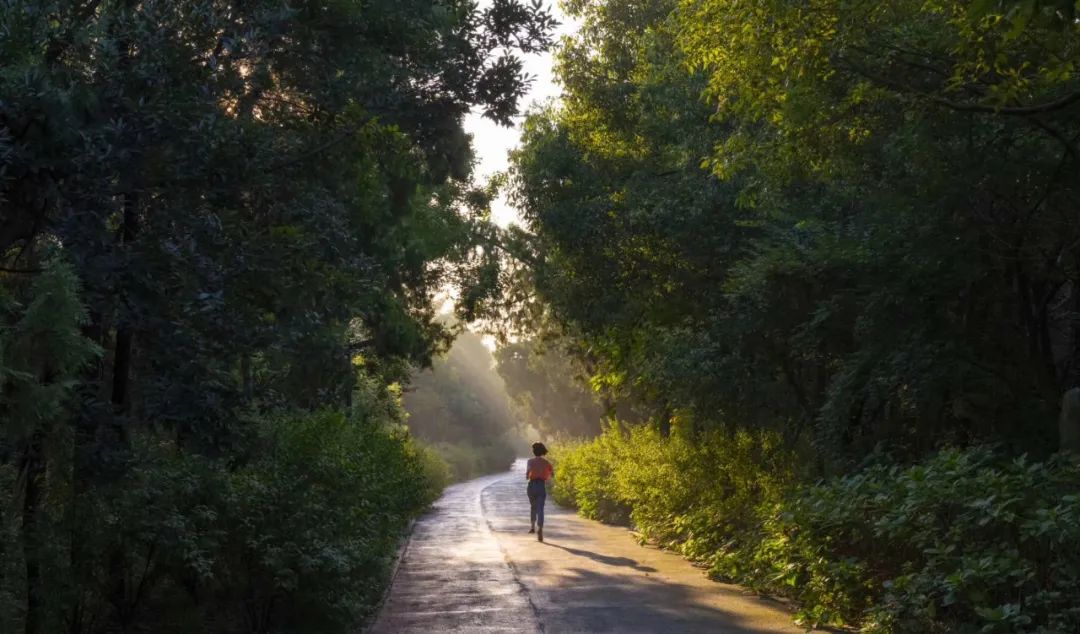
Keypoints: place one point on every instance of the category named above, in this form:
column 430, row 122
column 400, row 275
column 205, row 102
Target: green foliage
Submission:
column 810, row 236
column 435, row 467
column 692, row 493
column 298, row 537
column 41, row 350
column 585, row 477
column 964, row 541
column 316, row 515
column 249, row 195
column 468, row 459
column 295, row 531
column 549, row 388
column 209, row 211
column 847, row 222
column 42, row 354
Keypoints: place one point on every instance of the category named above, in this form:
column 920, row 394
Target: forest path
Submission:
column 470, row 566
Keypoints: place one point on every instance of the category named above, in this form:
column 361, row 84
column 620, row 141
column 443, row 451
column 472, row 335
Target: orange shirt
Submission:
column 539, row 469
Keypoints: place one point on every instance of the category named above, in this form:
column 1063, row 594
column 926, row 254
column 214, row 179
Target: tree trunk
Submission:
column 1069, row 421
column 30, row 473
column 122, row 367
column 247, row 378
column 125, row 332
column 664, row 423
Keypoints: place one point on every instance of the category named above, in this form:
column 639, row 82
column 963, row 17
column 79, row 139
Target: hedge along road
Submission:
column 470, row 566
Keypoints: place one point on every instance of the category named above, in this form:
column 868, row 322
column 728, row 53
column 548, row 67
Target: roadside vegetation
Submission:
column 802, row 277
column 223, row 226
column 965, row 540
column 820, row 264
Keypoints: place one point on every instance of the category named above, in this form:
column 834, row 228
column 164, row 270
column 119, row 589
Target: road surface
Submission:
column 471, row 566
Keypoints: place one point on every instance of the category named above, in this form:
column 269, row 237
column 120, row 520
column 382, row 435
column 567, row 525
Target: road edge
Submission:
column 399, row 556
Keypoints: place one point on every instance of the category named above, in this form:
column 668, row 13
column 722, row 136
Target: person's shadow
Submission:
column 604, row 559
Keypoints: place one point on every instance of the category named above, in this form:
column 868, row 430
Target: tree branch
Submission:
column 4, row 269
column 1020, row 111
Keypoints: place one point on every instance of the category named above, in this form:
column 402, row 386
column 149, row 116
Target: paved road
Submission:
column 470, row 566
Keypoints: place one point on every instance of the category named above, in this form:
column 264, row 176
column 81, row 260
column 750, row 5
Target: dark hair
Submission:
column 539, row 449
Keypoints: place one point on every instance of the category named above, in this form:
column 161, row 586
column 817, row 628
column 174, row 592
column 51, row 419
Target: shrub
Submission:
column 964, row 541
column 585, row 476
column 312, row 523
column 436, row 471
column 298, row 537
column 691, row 492
column 961, row 542
column 468, row 461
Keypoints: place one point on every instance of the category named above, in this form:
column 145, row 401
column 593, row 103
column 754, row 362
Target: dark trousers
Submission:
column 537, row 493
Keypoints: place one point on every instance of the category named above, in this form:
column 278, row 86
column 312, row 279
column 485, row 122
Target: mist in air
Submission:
column 461, row 408
column 481, row 410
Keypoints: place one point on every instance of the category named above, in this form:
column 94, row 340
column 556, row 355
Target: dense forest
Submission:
column 223, row 228
column 830, row 251
column 796, row 293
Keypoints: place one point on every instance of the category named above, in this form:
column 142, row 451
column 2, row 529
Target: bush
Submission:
column 314, row 521
column 296, row 538
column 436, row 471
column 468, row 461
column 965, row 541
column 585, row 475
column 962, row 542
column 692, row 493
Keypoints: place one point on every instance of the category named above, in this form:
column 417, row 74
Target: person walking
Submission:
column 538, row 471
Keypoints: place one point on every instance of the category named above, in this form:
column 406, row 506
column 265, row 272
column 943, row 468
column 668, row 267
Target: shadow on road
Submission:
column 604, row 559
column 587, row 577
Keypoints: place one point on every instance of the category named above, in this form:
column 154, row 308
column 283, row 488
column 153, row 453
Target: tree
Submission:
column 859, row 234
column 549, row 389
column 251, row 196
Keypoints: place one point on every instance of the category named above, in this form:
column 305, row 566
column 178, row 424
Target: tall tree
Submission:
column 851, row 223
column 251, row 195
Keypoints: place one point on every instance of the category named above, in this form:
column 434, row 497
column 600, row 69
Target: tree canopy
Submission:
column 217, row 219
column 831, row 251
column 778, row 242
column 852, row 223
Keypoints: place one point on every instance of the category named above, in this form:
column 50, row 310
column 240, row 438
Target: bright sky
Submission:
column 492, row 142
